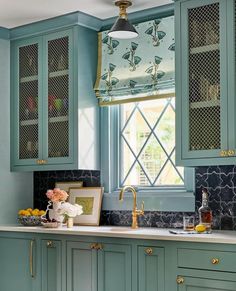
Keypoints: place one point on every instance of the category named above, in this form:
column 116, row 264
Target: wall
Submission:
column 46, row 180
column 219, row 181
column 16, row 188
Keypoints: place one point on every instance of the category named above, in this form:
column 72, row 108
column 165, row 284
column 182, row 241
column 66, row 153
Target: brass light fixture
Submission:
column 122, row 28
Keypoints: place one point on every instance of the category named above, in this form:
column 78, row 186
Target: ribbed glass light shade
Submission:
column 122, row 29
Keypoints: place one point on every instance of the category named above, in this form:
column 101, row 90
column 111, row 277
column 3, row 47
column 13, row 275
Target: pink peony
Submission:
column 57, row 195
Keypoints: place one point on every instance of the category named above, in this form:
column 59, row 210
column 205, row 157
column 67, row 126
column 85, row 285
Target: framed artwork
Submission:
column 67, row 185
column 90, row 198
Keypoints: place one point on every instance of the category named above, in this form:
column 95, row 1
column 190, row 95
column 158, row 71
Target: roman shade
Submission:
column 140, row 69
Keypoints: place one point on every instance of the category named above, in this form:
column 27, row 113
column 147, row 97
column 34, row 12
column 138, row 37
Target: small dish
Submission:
column 51, row 224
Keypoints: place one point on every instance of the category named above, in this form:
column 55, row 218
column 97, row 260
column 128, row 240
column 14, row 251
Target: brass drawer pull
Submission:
column 49, row 244
column 180, row 280
column 215, row 261
column 31, row 258
column 149, row 251
column 99, row 246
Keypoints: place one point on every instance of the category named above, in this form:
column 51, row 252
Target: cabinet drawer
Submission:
column 207, row 260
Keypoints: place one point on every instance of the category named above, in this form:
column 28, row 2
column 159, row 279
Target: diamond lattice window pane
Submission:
column 165, row 129
column 148, row 144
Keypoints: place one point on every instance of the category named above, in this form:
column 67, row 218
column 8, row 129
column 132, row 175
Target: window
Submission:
column 147, row 144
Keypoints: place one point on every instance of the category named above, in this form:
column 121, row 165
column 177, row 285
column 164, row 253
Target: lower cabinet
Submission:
column 151, row 269
column 17, row 264
column 201, row 284
column 98, row 267
column 51, row 257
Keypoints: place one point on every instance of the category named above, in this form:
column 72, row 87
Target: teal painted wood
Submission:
column 186, row 152
column 81, row 267
column 114, row 268
column 15, row 100
column 151, row 269
column 204, row 284
column 4, row 33
column 202, row 259
column 71, row 97
column 56, row 23
column 15, row 264
column 51, row 265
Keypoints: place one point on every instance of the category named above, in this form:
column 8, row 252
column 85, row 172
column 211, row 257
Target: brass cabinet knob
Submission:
column 223, row 153
column 93, row 246
column 99, row 246
column 39, row 162
column 49, row 244
column 231, row 153
column 44, row 162
column 180, row 280
column 215, row 261
column 149, row 251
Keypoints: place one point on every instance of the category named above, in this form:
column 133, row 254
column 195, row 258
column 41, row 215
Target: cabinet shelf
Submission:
column 51, row 120
column 204, row 104
column 51, row 75
column 204, row 49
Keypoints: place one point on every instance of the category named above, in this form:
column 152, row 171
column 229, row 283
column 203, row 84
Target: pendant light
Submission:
column 122, row 28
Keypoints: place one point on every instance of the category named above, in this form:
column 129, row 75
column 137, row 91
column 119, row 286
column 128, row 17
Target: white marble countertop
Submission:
column 228, row 237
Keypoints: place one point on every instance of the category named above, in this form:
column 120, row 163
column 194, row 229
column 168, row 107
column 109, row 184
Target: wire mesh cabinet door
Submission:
column 58, row 101
column 26, row 104
column 202, row 95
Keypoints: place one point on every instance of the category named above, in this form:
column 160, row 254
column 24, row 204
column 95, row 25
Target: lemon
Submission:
column 200, row 228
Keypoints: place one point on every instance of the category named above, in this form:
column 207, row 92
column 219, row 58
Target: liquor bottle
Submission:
column 205, row 213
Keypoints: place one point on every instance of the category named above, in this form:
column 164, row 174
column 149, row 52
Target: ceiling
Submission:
column 19, row 12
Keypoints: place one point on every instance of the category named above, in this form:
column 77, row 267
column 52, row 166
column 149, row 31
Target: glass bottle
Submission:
column 205, row 213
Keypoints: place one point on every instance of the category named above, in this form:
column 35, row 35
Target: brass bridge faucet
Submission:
column 135, row 212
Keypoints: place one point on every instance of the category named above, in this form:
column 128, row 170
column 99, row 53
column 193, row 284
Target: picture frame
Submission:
column 91, row 200
column 67, row 185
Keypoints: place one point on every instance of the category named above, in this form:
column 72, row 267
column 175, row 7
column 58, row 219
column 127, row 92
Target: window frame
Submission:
column 155, row 198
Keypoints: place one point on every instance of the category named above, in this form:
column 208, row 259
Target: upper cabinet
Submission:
column 54, row 109
column 205, row 76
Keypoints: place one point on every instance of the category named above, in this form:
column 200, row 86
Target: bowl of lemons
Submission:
column 30, row 217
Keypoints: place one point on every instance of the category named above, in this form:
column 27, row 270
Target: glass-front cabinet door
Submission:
column 204, row 79
column 27, row 90
column 58, row 98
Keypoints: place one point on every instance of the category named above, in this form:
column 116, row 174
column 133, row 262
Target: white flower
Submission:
column 70, row 210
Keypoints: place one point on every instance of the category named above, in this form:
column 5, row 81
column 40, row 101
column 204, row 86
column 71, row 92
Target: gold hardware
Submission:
column 215, row 261
column 224, row 153
column 93, row 246
column 39, row 162
column 99, row 246
column 136, row 212
column 149, row 251
column 49, row 244
column 31, row 259
column 123, row 5
column 44, row 162
column 231, row 153
column 180, row 280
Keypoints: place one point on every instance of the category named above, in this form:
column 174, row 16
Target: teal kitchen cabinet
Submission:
column 151, row 262
column 18, row 270
column 51, row 278
column 114, row 267
column 54, row 111
column 204, row 284
column 98, row 267
column 205, row 77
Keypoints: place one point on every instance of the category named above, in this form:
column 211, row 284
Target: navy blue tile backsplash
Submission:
column 220, row 182
column 46, row 180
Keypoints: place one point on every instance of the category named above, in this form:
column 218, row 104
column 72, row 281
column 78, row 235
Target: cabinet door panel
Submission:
column 114, row 268
column 199, row 284
column 51, row 266
column 204, row 80
column 151, row 269
column 15, row 271
column 27, row 103
column 81, row 267
column 58, row 102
